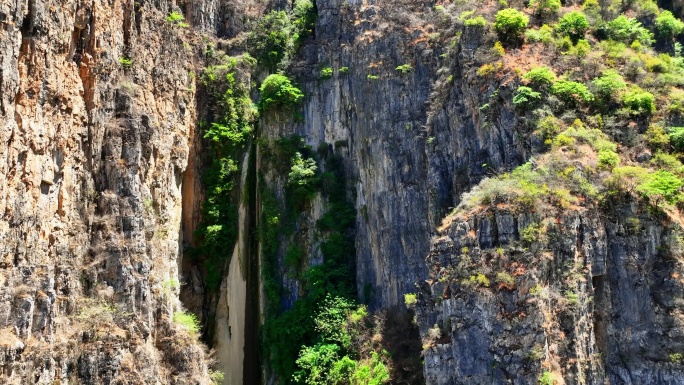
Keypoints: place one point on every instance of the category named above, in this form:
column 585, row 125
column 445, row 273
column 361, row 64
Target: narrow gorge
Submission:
column 341, row 192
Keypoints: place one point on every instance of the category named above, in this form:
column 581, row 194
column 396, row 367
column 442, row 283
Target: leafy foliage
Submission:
column 526, row 96
column 572, row 92
column 188, row 321
column 573, row 24
column 668, row 26
column 277, row 92
column 302, row 177
column 540, row 77
column 545, row 8
column 676, row 138
column 661, row 185
column 226, row 137
column 175, row 17
column 608, row 84
column 270, row 39
column 304, row 20
column 639, row 101
column 510, row 24
column 626, row 29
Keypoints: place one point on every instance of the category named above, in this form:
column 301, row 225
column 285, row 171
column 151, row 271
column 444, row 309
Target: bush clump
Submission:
column 626, row 29
column 188, row 321
column 270, row 39
column 525, row 97
column 668, row 26
column 277, row 91
column 639, row 101
column 510, row 24
column 571, row 92
column 573, row 24
column 540, row 77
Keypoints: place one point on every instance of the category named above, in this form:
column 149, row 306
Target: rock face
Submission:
column 93, row 151
column 590, row 298
column 413, row 140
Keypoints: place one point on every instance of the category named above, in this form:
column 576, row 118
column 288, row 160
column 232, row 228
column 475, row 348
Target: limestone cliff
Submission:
column 565, row 270
column 97, row 110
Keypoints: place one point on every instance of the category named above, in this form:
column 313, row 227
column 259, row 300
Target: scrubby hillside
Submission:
column 568, row 268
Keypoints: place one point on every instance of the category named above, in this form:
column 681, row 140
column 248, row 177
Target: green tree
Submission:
column 572, row 92
column 639, row 101
column 545, row 9
column 540, row 77
column 302, row 178
column 668, row 26
column 676, row 136
column 573, row 24
column 607, row 86
column 626, row 29
column 510, row 25
column 525, row 97
column 270, row 39
column 661, row 185
column 277, row 91
column 304, row 20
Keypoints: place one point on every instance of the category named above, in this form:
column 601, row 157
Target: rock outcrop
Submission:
column 97, row 105
column 586, row 296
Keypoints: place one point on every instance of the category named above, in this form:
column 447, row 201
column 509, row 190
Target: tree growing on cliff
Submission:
column 269, row 40
column 277, row 91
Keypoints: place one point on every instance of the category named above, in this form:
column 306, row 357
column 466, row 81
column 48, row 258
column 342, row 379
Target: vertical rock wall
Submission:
column 93, row 152
column 411, row 147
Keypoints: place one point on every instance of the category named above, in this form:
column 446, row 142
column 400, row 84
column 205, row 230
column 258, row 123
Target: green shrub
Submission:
column 304, row 19
column 547, row 128
column 326, row 73
column 676, row 137
column 344, row 70
column 608, row 159
column 626, row 29
column 479, row 279
column 676, row 357
column 278, row 92
column 580, row 50
column 510, row 25
column 661, row 185
column 545, row 8
column 571, row 92
column 608, row 85
column 125, row 62
column 302, row 177
column 505, row 278
column 540, row 77
column 525, row 97
column 188, row 321
column 668, row 26
column 657, row 138
column 547, row 379
column 639, row 101
column 477, row 21
column 573, row 24
column 531, row 233
column 498, row 49
column 410, row 300
column 404, row 68
column 270, row 41
column 544, row 34
column 175, row 17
